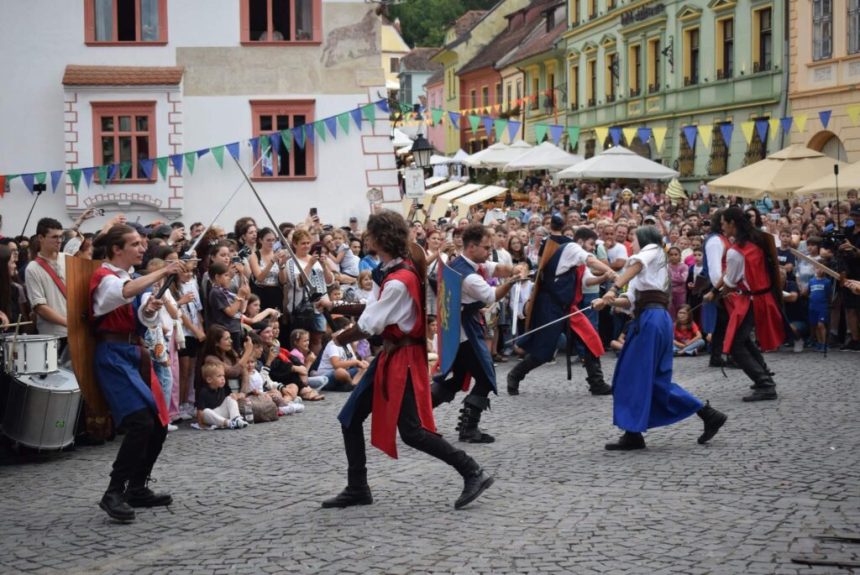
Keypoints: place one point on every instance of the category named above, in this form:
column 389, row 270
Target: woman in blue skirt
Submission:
column 643, row 392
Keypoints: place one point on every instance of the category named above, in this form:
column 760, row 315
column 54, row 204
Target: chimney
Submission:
column 396, row 25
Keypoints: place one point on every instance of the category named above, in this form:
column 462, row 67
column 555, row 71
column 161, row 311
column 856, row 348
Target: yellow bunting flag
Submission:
column 774, row 128
column 659, row 135
column 601, row 134
column 853, row 113
column 748, row 128
column 705, row 133
column 629, row 134
column 800, row 122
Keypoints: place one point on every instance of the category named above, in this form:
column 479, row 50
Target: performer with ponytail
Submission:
column 643, row 392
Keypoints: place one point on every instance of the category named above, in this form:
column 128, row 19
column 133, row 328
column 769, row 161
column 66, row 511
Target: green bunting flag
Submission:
column 218, row 153
column 343, row 121
column 437, row 114
column 499, row 127
column 573, row 136
column 75, row 176
column 474, row 121
column 103, row 175
column 41, row 177
column 162, row 167
column 265, row 144
column 540, row 132
column 369, row 112
column 286, row 141
column 190, row 157
column 320, row 130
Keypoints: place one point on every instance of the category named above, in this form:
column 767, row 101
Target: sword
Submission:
column 816, row 264
column 555, row 321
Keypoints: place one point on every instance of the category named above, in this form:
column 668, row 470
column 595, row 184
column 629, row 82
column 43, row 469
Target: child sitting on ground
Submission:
column 344, row 372
column 688, row 337
column 215, row 407
column 261, row 388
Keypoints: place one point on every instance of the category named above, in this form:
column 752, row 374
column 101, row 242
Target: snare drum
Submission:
column 30, row 354
column 42, row 410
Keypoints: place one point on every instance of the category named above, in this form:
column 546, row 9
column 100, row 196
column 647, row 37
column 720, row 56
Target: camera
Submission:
column 832, row 238
column 235, row 260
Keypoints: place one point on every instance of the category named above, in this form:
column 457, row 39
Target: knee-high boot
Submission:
column 519, row 372
column 470, row 416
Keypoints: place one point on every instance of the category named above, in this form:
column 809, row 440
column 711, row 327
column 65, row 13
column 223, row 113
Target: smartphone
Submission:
column 774, row 216
column 313, row 212
column 277, row 246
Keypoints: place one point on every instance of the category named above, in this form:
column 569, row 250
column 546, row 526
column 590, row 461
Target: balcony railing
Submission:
column 591, row 102
column 690, row 81
column 762, row 67
column 635, row 92
column 610, row 98
column 653, row 88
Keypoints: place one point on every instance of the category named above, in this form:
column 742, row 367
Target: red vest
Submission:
column 121, row 320
column 392, row 370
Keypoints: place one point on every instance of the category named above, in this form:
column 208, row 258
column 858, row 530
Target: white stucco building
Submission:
column 111, row 82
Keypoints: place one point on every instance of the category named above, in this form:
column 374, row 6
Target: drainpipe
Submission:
column 786, row 69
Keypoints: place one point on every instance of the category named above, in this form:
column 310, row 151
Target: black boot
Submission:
column 761, row 394
column 596, row 383
column 442, row 391
column 713, row 419
column 357, row 492
column 470, row 416
column 627, row 442
column 139, row 494
column 519, row 372
column 474, row 484
column 113, row 503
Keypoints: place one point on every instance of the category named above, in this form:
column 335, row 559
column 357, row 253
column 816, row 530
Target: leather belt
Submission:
column 651, row 299
column 127, row 338
column 390, row 345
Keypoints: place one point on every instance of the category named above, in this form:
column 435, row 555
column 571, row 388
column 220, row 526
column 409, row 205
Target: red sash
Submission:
column 51, row 272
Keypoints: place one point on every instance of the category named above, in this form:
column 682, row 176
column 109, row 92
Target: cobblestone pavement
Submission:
column 248, row 501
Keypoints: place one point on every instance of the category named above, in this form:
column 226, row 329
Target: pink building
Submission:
column 435, row 89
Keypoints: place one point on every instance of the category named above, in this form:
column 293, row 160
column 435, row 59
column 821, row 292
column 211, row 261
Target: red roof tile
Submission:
column 122, row 75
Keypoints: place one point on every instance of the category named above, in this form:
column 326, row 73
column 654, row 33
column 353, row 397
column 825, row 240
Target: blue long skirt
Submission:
column 642, row 388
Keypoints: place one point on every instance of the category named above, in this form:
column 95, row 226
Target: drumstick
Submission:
column 16, row 324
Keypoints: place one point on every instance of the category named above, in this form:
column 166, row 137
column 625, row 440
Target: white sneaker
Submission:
column 287, row 409
column 298, row 406
column 798, row 345
column 171, row 427
column 186, row 412
column 238, row 422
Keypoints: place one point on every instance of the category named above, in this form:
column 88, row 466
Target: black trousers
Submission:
column 467, row 362
column 144, row 437
column 719, row 335
column 747, row 355
column 411, row 432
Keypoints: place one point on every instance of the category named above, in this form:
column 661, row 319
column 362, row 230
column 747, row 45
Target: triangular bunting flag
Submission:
column 75, row 177
column 540, row 132
column 555, row 132
column 690, row 133
column 40, row 177
column 275, row 142
column 125, row 167
column 266, row 144
column 488, row 125
column 356, row 117
column 615, row 133
column 436, row 114
column 190, row 158
column 455, row 119
column 824, row 116
column 255, row 146
column 748, row 128
column 774, row 127
column 853, row 113
column 299, row 136
column 659, row 134
column 320, row 128
column 28, row 180
column 383, row 105
column 233, row 150
column 513, row 129
column 761, row 127
column 726, row 130
column 202, row 152
column 601, row 133
column 287, row 141
column 369, row 113
column 103, row 175
column 162, row 167
column 309, row 134
column 629, row 134
column 499, row 127
column 644, row 134
column 343, row 120
column 176, row 161
column 218, row 154
column 800, row 122
column 55, row 179
column 785, row 124
column 331, row 124
column 474, row 121
column 705, row 133
column 89, row 172
column 573, row 136
column 112, row 170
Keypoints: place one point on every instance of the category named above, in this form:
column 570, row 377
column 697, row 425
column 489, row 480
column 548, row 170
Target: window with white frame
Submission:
column 125, row 21
column 822, row 29
column 853, row 26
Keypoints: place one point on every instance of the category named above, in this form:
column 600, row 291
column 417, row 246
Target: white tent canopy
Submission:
column 546, row 156
column 498, row 155
column 432, row 181
column 825, row 186
column 618, row 162
column 442, row 188
column 443, row 200
column 479, row 196
column 400, row 139
column 459, row 157
column 437, row 160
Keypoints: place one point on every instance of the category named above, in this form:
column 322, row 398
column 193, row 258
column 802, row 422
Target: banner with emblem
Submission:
column 448, row 299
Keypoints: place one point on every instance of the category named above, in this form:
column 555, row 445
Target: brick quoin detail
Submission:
column 70, row 118
column 376, row 144
column 176, row 194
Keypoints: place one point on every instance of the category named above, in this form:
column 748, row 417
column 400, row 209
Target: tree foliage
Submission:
column 423, row 22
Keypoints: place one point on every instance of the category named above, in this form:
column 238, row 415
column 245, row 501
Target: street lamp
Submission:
column 421, row 151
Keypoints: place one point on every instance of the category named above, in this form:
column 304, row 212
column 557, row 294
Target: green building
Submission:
column 704, row 72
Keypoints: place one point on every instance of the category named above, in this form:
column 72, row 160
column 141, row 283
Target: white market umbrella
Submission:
column 437, row 160
column 498, row 155
column 825, row 186
column 479, row 196
column 400, row 139
column 459, row 157
column 777, row 176
column 546, row 156
column 618, row 162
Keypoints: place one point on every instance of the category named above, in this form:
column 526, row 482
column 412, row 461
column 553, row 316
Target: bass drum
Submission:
column 42, row 410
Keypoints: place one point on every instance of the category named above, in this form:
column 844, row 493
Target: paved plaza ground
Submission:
column 248, row 501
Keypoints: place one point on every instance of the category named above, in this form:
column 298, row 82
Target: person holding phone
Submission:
column 268, row 270
column 318, row 276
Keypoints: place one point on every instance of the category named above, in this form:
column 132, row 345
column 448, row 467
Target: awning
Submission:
column 481, row 195
column 442, row 188
column 442, row 201
column 432, row 181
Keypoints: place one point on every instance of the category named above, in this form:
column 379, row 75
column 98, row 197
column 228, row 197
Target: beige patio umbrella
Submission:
column 825, row 186
column 778, row 176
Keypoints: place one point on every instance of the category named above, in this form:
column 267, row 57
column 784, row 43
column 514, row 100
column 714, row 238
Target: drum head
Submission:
column 58, row 381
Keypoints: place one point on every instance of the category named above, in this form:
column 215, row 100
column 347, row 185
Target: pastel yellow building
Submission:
column 825, row 75
column 394, row 48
